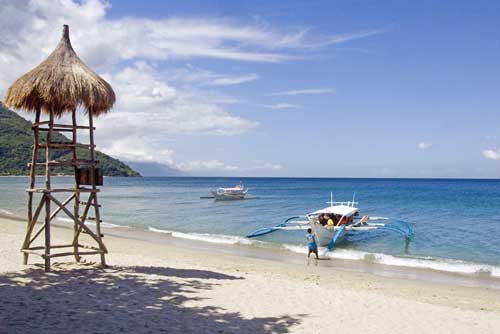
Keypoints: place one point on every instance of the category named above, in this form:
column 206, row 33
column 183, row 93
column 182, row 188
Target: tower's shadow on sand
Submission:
column 122, row 300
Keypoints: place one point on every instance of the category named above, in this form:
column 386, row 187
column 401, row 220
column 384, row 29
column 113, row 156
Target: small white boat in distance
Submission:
column 227, row 194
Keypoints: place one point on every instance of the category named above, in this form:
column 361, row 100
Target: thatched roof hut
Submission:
column 60, row 84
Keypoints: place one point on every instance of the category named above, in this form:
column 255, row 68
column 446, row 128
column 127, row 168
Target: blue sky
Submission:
column 304, row 88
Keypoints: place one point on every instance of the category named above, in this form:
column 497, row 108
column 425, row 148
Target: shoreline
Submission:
column 293, row 177
column 176, row 286
column 279, row 253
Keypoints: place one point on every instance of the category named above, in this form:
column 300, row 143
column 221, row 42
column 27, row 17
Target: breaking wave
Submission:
column 446, row 265
column 7, row 212
column 206, row 237
column 379, row 218
column 103, row 224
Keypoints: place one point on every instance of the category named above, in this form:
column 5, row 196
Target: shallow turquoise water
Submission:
column 452, row 219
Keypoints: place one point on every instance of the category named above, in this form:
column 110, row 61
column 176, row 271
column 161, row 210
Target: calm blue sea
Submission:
column 456, row 222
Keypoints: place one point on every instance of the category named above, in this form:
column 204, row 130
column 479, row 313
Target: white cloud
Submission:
column 134, row 54
column 492, row 154
column 283, row 105
column 235, row 80
column 103, row 42
column 341, row 38
column 227, row 100
column 147, row 104
column 308, row 91
column 142, row 149
column 201, row 77
column 150, row 111
column 424, row 146
column 219, row 166
column 209, row 166
column 270, row 166
column 139, row 149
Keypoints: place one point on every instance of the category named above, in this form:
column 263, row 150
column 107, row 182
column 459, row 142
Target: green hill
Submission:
column 16, row 139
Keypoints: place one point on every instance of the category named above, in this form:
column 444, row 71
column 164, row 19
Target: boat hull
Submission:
column 325, row 234
column 228, row 196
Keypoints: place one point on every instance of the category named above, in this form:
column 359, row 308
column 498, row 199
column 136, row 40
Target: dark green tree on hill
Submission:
column 16, row 139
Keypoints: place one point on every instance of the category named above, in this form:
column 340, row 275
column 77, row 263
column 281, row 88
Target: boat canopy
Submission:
column 342, row 210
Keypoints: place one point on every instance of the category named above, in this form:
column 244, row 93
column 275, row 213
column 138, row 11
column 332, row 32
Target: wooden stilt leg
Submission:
column 93, row 178
column 76, row 227
column 47, row 234
column 76, row 208
column 98, row 227
column 25, row 258
column 31, row 225
column 48, row 197
column 34, row 157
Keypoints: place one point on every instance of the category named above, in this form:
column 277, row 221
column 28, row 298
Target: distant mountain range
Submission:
column 16, row 140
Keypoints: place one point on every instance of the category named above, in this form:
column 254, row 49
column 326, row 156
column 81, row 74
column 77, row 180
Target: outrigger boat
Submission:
column 346, row 219
column 224, row 194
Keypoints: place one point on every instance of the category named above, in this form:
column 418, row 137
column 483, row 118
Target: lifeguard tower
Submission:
column 55, row 90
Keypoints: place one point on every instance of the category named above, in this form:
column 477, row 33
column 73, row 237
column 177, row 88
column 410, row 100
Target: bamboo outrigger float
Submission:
column 58, row 86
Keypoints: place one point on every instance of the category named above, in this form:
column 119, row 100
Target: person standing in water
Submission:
column 311, row 244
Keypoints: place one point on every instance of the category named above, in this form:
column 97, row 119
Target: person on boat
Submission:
column 321, row 219
column 343, row 221
column 364, row 220
column 330, row 221
column 311, row 244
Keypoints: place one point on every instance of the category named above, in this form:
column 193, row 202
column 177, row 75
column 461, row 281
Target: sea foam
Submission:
column 7, row 212
column 206, row 237
column 90, row 223
column 379, row 218
column 446, row 265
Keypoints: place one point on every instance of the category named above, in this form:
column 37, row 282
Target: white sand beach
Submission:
column 161, row 288
column 164, row 141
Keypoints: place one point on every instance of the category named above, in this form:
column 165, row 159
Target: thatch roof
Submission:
column 60, row 84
